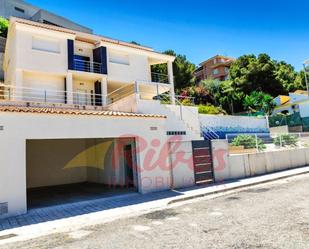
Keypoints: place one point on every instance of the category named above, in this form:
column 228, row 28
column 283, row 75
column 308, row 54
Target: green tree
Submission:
column 300, row 81
column 200, row 94
column 213, row 88
column 259, row 101
column 4, row 24
column 261, row 73
column 183, row 70
column 230, row 99
column 287, row 76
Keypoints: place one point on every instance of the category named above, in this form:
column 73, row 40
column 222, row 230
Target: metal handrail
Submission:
column 28, row 94
column 212, row 134
column 120, row 93
column 159, row 78
column 87, row 66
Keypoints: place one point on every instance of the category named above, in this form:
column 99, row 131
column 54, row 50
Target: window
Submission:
column 119, row 58
column 45, row 44
column 50, row 23
column 226, row 70
column 215, row 71
column 19, row 10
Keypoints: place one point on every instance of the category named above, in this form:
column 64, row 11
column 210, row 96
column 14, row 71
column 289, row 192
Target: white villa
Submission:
column 81, row 110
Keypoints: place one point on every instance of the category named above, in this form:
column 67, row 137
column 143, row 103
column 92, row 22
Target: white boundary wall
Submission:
column 249, row 165
column 182, row 171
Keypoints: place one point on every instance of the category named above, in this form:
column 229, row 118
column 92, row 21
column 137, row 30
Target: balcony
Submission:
column 48, row 97
column 159, row 78
column 87, row 66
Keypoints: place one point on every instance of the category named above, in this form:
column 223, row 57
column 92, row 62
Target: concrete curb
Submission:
column 245, row 185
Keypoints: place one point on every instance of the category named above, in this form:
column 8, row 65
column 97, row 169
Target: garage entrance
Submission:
column 61, row 171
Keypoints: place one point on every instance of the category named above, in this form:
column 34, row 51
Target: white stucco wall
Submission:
column 19, row 127
column 126, row 104
column 46, row 162
column 138, row 69
column 31, row 59
column 219, row 149
column 37, row 83
column 228, row 167
column 174, row 122
column 183, row 171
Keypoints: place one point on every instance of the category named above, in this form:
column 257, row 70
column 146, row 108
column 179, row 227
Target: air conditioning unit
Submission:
column 4, row 208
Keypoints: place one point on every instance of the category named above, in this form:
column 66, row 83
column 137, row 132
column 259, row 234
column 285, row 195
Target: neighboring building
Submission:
column 295, row 108
column 216, row 67
column 22, row 9
column 297, row 102
column 80, row 108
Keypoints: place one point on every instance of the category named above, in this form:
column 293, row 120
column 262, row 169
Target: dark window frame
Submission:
column 19, row 9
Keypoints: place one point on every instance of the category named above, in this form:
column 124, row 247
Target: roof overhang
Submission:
column 92, row 38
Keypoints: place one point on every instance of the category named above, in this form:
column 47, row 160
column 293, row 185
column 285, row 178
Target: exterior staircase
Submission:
column 181, row 120
column 176, row 124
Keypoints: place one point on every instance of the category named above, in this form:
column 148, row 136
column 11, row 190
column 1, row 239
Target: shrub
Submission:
column 4, row 24
column 187, row 102
column 249, row 142
column 286, row 140
column 210, row 109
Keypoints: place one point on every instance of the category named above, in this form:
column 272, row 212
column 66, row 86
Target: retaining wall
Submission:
column 249, row 165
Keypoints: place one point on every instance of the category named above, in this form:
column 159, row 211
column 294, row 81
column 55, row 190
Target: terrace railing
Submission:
column 87, row 66
column 121, row 93
column 159, row 78
column 41, row 95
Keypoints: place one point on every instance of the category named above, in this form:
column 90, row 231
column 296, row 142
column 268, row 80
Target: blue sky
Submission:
column 199, row 29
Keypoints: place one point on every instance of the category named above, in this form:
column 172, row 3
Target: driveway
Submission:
column 274, row 215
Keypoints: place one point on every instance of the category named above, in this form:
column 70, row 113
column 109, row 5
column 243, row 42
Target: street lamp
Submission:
column 306, row 65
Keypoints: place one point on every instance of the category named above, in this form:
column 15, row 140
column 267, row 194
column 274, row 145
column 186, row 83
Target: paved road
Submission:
column 269, row 216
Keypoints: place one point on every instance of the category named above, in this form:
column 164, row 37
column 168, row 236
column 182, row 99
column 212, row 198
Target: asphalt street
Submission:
column 270, row 216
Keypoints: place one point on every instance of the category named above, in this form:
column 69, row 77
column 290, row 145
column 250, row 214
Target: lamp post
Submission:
column 306, row 64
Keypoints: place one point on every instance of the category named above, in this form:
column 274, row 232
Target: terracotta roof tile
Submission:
column 43, row 110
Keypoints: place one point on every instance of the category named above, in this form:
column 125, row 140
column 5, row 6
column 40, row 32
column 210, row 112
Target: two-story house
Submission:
column 79, row 109
column 44, row 63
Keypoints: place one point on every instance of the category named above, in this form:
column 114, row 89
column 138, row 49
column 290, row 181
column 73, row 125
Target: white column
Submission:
column 17, row 92
column 171, row 80
column 104, row 91
column 69, row 88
